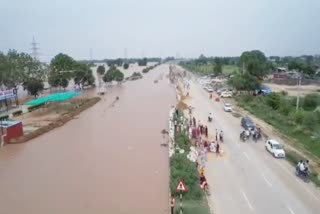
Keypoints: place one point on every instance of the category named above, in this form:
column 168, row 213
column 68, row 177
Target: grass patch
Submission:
column 181, row 168
column 193, row 207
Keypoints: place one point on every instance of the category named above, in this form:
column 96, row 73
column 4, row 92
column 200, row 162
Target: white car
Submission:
column 275, row 148
column 226, row 94
column 227, row 107
column 209, row 89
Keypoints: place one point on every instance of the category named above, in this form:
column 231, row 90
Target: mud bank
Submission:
column 59, row 121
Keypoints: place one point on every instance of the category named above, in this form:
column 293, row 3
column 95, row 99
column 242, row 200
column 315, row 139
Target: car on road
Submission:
column 275, row 148
column 226, row 94
column 219, row 91
column 209, row 89
column 247, row 123
column 227, row 107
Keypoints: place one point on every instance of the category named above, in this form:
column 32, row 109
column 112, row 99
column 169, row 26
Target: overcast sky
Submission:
column 160, row 27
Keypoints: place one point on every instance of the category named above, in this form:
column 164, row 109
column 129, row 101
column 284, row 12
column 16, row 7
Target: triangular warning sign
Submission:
column 182, row 187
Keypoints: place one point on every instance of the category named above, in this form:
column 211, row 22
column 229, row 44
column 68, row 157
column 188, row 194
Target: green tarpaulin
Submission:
column 59, row 97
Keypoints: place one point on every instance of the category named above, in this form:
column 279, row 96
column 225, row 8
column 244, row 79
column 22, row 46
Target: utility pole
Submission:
column 298, row 95
column 34, row 48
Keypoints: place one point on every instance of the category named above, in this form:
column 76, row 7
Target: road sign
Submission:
column 182, row 187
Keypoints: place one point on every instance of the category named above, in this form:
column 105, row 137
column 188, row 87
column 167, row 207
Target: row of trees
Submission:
column 112, row 74
column 20, row 69
column 63, row 68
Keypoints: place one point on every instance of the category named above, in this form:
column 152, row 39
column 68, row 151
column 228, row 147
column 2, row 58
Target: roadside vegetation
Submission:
column 21, row 69
column 194, row 201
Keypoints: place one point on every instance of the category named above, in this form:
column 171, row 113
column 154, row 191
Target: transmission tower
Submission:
column 34, row 48
column 125, row 53
column 90, row 53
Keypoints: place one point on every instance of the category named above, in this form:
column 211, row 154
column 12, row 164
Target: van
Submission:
column 226, row 94
column 247, row 123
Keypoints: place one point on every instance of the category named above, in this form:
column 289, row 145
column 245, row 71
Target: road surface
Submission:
column 246, row 178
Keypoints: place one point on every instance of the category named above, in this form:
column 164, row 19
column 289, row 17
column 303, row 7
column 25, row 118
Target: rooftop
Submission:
column 8, row 123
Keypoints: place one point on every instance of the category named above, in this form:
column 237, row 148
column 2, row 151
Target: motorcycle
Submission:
column 303, row 175
column 243, row 137
column 256, row 136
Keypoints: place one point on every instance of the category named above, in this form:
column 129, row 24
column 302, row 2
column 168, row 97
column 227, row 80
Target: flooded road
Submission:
column 108, row 160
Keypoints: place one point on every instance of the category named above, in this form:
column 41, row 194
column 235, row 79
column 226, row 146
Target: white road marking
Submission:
column 247, row 156
column 266, row 180
column 299, row 182
column 247, row 200
column 290, row 210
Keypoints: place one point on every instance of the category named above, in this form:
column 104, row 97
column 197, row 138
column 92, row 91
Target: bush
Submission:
column 17, row 113
column 298, row 117
column 182, row 140
column 310, row 102
column 145, row 70
column 4, row 117
column 310, row 121
column 274, row 101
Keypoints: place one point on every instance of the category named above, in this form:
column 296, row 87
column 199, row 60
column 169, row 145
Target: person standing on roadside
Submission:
column 206, row 130
column 194, row 122
column 218, row 149
column 172, row 203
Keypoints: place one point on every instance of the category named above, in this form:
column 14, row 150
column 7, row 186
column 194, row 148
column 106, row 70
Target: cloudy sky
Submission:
column 160, row 27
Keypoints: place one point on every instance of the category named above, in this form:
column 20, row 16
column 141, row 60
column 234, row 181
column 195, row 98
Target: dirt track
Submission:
column 294, row 90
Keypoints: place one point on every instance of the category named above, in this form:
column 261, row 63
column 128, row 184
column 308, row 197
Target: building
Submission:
column 8, row 98
column 10, row 130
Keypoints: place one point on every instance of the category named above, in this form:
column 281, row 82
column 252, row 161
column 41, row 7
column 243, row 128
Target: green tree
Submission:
column 125, row 65
column 82, row 74
column 101, row 70
column 143, row 62
column 62, row 67
column 62, row 62
column 118, row 76
column 17, row 68
column 108, row 76
column 34, row 86
column 255, row 63
column 218, row 66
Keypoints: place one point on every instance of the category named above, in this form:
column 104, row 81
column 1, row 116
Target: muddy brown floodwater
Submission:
column 109, row 160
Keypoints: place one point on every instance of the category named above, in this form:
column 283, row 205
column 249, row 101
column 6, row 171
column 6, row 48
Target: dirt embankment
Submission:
column 52, row 116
